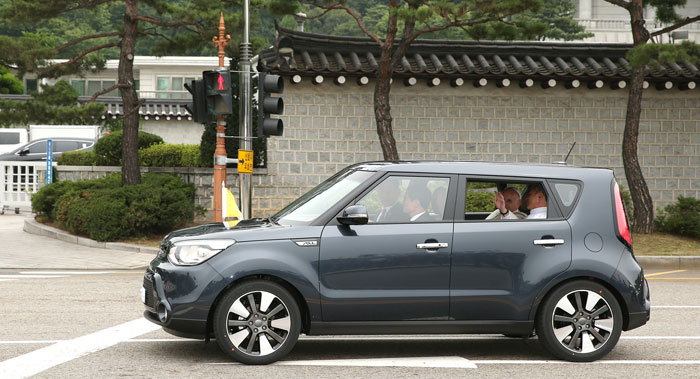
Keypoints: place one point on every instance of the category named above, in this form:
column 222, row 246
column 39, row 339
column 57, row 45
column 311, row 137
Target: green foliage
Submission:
column 681, row 218
column 109, row 147
column 105, row 211
column 56, row 104
column 170, row 155
column 78, row 158
column 9, row 84
column 654, row 54
column 665, row 11
column 479, row 201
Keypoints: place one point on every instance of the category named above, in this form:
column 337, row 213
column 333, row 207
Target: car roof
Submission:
column 480, row 168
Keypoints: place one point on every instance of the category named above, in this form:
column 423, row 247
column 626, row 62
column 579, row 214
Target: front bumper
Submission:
column 179, row 298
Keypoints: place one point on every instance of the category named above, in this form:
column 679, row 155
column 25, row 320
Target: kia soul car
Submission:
column 412, row 248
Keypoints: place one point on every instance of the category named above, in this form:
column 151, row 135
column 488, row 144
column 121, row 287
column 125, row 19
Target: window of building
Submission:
column 30, row 85
column 172, row 87
column 90, row 87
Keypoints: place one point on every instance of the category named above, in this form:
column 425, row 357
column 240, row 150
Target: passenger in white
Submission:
column 535, row 200
column 507, row 203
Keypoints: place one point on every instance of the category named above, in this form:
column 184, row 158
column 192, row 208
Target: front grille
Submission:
column 148, row 285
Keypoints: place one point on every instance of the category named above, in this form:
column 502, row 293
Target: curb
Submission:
column 33, row 227
column 669, row 262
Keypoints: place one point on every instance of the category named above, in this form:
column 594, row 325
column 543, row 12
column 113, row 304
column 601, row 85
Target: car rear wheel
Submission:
column 580, row 321
column 257, row 322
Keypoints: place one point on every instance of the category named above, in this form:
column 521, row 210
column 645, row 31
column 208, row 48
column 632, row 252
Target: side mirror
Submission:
column 354, row 215
column 23, row 152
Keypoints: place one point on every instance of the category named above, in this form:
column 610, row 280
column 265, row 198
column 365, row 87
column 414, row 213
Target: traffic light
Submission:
column 198, row 107
column 267, row 105
column 218, row 91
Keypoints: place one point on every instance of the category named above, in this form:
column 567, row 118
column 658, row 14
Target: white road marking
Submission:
column 675, row 306
column 600, row 362
column 7, row 280
column 43, row 359
column 64, row 272
column 427, row 362
column 31, row 276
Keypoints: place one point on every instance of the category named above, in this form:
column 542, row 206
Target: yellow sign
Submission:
column 245, row 161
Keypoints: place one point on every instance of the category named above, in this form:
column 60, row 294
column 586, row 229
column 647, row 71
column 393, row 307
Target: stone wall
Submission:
column 328, row 127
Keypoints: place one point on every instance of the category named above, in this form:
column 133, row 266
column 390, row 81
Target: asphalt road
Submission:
column 87, row 324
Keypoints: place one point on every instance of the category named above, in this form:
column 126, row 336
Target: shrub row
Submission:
column 109, row 148
column 105, row 211
column 681, row 218
column 157, row 155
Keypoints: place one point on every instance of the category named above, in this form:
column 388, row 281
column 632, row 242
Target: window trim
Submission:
column 553, row 210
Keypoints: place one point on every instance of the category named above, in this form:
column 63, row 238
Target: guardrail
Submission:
column 18, row 181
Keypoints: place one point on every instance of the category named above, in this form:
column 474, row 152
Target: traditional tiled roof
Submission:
column 169, row 109
column 308, row 54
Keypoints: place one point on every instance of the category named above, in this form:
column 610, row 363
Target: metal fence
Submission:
column 18, row 181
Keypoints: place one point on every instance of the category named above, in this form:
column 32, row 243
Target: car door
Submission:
column 391, row 269
column 499, row 266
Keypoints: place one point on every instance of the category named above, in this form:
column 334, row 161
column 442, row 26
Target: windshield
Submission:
column 314, row 203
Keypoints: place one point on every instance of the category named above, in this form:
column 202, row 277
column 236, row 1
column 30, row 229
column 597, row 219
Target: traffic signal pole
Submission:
column 220, row 152
column 245, row 125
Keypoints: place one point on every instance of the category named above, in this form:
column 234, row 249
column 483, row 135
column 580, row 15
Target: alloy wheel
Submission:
column 582, row 321
column 258, row 323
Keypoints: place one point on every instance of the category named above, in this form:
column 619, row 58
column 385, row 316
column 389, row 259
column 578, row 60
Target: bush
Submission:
column 170, row 155
column 105, row 211
column 681, row 218
column 78, row 158
column 109, row 147
column 480, row 201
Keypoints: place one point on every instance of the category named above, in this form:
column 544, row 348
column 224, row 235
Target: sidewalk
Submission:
column 32, row 245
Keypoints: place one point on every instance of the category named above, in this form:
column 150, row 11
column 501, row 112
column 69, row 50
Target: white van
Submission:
column 12, row 138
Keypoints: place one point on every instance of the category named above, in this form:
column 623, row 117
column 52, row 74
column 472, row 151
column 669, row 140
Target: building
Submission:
column 159, row 82
column 611, row 23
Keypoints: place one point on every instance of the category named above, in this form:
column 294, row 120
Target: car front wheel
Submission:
column 580, row 321
column 257, row 322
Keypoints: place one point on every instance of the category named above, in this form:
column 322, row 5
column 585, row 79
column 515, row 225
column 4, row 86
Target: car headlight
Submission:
column 194, row 252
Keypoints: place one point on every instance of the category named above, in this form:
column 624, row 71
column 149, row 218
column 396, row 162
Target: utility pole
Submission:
column 245, row 153
column 220, row 152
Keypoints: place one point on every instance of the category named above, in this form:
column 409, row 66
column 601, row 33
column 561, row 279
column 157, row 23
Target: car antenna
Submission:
column 567, row 155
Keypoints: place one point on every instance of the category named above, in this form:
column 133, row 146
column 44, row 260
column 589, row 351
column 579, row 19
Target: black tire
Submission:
column 257, row 322
column 580, row 321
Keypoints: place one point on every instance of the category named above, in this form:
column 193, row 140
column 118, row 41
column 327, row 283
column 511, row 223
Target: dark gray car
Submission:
column 412, row 248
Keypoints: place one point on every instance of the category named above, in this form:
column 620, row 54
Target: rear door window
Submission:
column 523, row 200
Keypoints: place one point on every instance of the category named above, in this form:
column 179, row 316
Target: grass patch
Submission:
column 664, row 244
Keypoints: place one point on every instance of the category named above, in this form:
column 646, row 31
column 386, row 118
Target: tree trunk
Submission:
column 130, row 145
column 643, row 204
column 382, row 114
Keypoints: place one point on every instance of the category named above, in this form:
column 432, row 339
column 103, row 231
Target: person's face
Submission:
column 534, row 200
column 388, row 194
column 512, row 200
column 409, row 206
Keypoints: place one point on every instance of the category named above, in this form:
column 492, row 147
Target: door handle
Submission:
column 433, row 245
column 549, row 241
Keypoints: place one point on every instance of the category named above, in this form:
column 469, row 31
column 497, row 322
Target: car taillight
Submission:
column 623, row 229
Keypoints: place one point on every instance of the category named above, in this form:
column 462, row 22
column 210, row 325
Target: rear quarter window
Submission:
column 567, row 194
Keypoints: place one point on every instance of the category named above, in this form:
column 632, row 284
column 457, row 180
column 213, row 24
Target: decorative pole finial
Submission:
column 222, row 40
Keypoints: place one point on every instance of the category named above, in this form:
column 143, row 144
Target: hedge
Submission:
column 170, row 155
column 109, row 147
column 105, row 211
column 681, row 218
column 78, row 158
